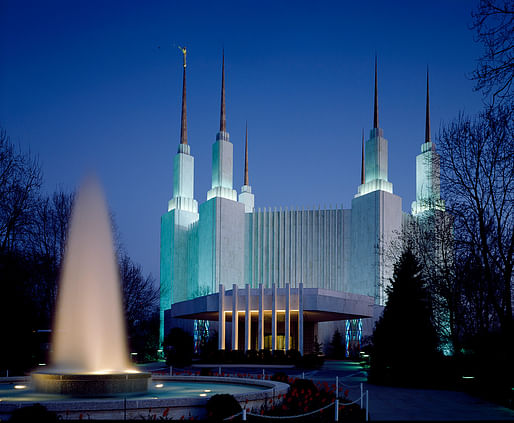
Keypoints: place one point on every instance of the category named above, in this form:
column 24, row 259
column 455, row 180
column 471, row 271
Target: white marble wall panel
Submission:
column 296, row 246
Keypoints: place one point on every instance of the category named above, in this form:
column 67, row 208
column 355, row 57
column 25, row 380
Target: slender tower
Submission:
column 246, row 197
column 427, row 114
column 375, row 103
column 363, row 173
column 222, row 154
column 375, row 154
column 183, row 165
column 222, row 217
column 376, row 216
column 175, row 224
column 428, row 193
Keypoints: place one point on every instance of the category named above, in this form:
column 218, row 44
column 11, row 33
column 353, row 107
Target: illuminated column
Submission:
column 260, row 329
column 248, row 320
column 274, row 318
column 221, row 321
column 234, row 317
column 300, row 318
column 288, row 316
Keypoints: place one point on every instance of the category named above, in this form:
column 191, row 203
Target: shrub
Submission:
column 236, row 356
column 252, row 356
column 337, row 347
column 303, row 396
column 221, row 406
column 178, row 347
column 219, row 356
column 265, row 356
column 280, row 377
column 292, row 355
column 351, row 413
column 205, row 371
column 310, row 361
column 33, row 413
column 278, row 356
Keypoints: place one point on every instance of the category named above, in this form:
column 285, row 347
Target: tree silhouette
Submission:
column 477, row 177
column 337, row 345
column 404, row 339
column 493, row 21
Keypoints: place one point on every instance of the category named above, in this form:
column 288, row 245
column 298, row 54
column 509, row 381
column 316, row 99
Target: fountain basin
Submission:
column 188, row 398
column 90, row 385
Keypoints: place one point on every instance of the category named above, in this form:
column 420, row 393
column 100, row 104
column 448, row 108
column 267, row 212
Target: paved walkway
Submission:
column 391, row 403
column 395, row 404
column 386, row 403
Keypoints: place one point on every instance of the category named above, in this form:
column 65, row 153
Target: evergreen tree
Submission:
column 337, row 345
column 405, row 344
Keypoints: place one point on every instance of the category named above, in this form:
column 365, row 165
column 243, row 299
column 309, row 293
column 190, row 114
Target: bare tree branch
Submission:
column 477, row 176
column 493, row 22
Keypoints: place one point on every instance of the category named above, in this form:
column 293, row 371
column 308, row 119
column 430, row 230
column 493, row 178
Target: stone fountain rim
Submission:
column 51, row 381
column 57, row 375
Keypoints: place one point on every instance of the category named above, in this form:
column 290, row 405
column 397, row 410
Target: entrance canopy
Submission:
column 286, row 312
column 319, row 305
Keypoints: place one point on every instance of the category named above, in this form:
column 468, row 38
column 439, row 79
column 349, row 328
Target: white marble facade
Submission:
column 228, row 242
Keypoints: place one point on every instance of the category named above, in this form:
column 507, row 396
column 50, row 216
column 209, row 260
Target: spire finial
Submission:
column 427, row 118
column 246, row 180
column 183, row 124
column 375, row 110
column 184, row 52
column 223, row 119
column 363, row 175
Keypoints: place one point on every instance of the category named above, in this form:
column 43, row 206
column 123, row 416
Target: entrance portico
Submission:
column 270, row 318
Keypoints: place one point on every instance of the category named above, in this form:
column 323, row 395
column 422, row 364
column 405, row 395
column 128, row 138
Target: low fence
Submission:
column 336, row 405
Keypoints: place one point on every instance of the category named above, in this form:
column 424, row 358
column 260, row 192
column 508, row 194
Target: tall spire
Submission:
column 183, row 124
column 375, row 174
column 223, row 119
column 246, row 197
column 427, row 118
column 246, row 181
column 363, row 178
column 375, row 109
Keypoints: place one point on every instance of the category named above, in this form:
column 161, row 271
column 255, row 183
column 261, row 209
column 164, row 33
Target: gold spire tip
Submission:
column 184, row 52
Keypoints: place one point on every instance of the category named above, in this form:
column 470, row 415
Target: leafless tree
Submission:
column 493, row 22
column 46, row 244
column 140, row 293
column 50, row 228
column 20, row 182
column 477, row 176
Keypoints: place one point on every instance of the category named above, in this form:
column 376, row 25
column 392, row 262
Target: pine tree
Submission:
column 337, row 345
column 405, row 343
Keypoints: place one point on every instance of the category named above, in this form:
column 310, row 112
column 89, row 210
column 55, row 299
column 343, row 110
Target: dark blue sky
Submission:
column 84, row 85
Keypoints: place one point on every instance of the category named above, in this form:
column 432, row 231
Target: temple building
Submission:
column 287, row 278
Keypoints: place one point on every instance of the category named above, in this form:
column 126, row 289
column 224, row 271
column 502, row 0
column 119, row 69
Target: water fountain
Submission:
column 90, row 373
column 90, row 354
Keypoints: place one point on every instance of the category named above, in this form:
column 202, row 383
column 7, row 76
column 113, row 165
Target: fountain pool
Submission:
column 167, row 396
